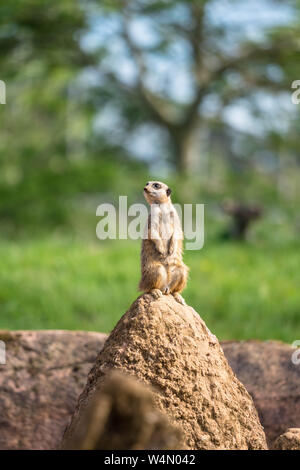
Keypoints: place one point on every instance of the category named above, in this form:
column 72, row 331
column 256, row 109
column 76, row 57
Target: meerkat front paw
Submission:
column 179, row 298
column 156, row 293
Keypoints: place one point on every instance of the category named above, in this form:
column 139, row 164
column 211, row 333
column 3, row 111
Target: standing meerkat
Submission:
column 163, row 271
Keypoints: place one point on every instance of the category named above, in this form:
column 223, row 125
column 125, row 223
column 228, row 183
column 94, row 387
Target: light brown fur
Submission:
column 163, row 270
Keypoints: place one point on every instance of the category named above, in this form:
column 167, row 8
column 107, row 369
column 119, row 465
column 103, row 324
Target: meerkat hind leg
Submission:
column 178, row 283
column 178, row 276
column 179, row 298
column 154, row 280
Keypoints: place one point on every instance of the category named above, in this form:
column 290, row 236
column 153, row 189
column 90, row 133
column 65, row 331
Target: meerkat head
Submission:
column 156, row 192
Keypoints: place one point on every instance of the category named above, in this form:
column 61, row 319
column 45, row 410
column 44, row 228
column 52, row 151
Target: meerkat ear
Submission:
column 169, row 190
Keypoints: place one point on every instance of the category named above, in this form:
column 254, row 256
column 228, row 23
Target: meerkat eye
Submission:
column 156, row 186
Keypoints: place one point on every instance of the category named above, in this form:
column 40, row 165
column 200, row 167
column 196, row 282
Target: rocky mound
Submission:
column 40, row 384
column 271, row 378
column 63, row 359
column 168, row 346
column 290, row 440
column 122, row 416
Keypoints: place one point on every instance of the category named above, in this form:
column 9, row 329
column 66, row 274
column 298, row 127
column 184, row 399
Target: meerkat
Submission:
column 163, row 270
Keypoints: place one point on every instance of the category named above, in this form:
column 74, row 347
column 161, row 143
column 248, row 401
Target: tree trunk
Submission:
column 182, row 139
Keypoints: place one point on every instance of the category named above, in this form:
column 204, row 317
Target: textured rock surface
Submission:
column 46, row 371
column 168, row 346
column 122, row 416
column 268, row 373
column 290, row 440
column 40, row 383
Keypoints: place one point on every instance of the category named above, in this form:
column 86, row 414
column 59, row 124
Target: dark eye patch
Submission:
column 156, row 186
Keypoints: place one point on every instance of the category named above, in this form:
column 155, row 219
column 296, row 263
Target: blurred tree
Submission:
column 175, row 66
column 41, row 60
column 89, row 80
column 40, row 55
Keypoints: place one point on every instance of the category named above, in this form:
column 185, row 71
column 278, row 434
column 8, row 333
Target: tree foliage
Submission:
column 188, row 67
column 160, row 79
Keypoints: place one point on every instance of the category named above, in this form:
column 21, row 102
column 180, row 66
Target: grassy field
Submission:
column 241, row 290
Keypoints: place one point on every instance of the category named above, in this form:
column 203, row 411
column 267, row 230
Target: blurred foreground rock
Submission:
column 290, row 440
column 267, row 371
column 122, row 416
column 168, row 346
column 40, row 383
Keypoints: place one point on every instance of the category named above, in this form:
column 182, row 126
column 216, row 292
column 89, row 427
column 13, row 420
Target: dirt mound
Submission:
column 290, row 440
column 40, row 384
column 46, row 371
column 271, row 378
column 168, row 346
column 122, row 416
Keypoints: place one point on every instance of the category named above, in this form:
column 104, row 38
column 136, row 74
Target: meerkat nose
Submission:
column 145, row 189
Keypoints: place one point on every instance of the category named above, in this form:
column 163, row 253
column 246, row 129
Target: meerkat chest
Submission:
column 165, row 221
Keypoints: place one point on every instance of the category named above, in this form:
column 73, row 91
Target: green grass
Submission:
column 241, row 290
